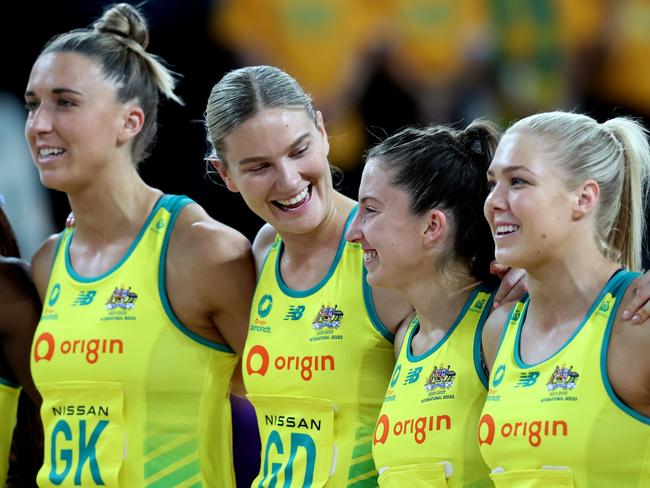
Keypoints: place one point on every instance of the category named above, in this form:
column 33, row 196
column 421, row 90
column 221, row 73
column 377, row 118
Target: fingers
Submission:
column 69, row 222
column 638, row 310
column 513, row 286
column 498, row 269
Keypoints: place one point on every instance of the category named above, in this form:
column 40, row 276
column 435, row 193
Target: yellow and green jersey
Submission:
column 131, row 397
column 9, row 393
column 426, row 432
column 316, row 365
column 558, row 422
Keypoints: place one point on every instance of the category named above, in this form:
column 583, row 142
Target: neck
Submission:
column 562, row 290
column 326, row 235
column 438, row 298
column 112, row 210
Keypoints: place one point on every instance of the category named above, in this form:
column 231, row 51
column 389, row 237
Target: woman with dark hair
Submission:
column 423, row 235
column 145, row 298
column 19, row 307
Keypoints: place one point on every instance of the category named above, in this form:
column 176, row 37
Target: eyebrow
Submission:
column 254, row 159
column 56, row 91
column 370, row 198
column 512, row 169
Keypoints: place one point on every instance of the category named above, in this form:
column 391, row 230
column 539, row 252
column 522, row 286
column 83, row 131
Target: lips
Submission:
column 296, row 201
column 369, row 255
column 503, row 230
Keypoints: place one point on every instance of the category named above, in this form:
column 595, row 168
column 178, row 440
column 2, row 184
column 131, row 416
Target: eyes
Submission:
column 365, row 211
column 297, row 153
column 32, row 104
column 512, row 181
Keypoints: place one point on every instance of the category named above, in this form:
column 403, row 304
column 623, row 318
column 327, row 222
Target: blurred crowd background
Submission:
column 372, row 67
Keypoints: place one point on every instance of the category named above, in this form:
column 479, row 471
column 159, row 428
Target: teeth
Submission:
column 369, row 256
column 300, row 196
column 50, row 151
column 506, row 229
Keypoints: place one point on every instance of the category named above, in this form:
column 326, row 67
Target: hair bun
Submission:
column 124, row 21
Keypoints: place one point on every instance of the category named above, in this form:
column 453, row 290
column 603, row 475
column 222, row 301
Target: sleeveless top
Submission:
column 426, row 432
column 131, row 397
column 316, row 365
column 558, row 422
column 9, row 393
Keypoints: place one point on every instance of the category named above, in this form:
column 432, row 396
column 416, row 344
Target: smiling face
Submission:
column 277, row 160
column 74, row 123
column 392, row 237
column 529, row 208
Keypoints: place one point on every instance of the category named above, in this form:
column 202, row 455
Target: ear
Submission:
column 436, row 223
column 221, row 168
column 320, row 125
column 132, row 123
column 586, row 198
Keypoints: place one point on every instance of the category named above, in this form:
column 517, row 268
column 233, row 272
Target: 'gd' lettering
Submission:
column 298, row 440
column 87, row 452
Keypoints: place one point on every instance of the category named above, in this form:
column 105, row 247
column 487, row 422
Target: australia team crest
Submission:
column 563, row 378
column 328, row 317
column 122, row 298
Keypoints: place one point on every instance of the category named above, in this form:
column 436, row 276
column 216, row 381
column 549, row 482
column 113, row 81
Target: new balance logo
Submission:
column 295, row 312
column 84, row 298
column 527, row 379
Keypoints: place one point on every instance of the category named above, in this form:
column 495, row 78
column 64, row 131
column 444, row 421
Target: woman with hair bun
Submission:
column 145, row 298
column 423, row 235
column 569, row 403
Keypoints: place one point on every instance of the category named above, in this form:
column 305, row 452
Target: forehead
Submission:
column 267, row 132
column 376, row 182
column 519, row 148
column 67, row 70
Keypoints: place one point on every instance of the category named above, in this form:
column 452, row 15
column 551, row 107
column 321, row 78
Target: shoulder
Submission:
column 208, row 240
column 14, row 276
column 629, row 344
column 42, row 263
column 262, row 243
column 19, row 298
column 392, row 309
column 493, row 331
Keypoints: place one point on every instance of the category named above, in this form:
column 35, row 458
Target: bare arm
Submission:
column 262, row 244
column 42, row 264
column 20, row 314
column 493, row 331
column 629, row 346
column 392, row 309
column 210, row 278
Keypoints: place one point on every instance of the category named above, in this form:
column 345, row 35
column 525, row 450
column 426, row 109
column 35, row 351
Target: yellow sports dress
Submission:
column 559, row 423
column 131, row 397
column 9, row 393
column 426, row 432
column 316, row 365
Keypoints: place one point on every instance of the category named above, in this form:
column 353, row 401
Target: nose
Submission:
column 289, row 178
column 496, row 200
column 354, row 232
column 39, row 121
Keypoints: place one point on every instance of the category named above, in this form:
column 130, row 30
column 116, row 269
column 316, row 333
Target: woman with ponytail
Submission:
column 145, row 298
column 19, row 306
column 569, row 403
column 423, row 235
